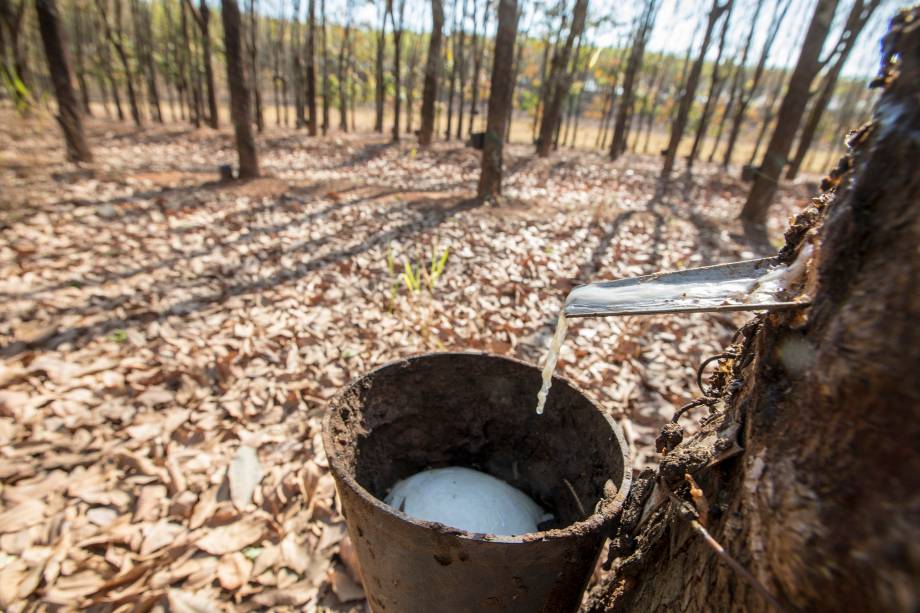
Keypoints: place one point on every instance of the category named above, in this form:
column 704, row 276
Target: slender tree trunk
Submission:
column 310, row 62
column 379, row 91
column 325, row 51
column 805, row 469
column 79, row 43
column 644, row 109
column 715, row 90
column 479, row 46
column 343, row 77
column 461, row 71
column 453, row 74
column 203, row 19
column 143, row 36
column 560, row 80
column 633, row 65
column 501, row 91
column 770, row 107
column 410, row 83
column 518, row 55
column 744, row 99
column 859, row 14
column 397, row 65
column 254, row 64
column 69, row 116
column 239, row 92
column 297, row 66
column 195, row 110
column 686, row 100
column 754, row 213
column 737, row 78
column 116, row 39
column 432, row 73
column 541, row 93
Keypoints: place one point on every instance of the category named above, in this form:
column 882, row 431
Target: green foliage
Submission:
column 16, row 90
column 416, row 278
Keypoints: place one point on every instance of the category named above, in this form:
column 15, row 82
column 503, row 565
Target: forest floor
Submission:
column 168, row 342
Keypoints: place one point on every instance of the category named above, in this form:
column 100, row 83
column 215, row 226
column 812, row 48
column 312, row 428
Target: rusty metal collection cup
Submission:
column 474, row 410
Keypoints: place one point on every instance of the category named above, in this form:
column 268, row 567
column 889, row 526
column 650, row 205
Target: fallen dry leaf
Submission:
column 345, row 589
column 233, row 570
column 232, row 537
column 244, row 475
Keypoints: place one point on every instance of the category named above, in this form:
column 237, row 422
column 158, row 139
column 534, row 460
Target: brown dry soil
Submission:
column 168, row 342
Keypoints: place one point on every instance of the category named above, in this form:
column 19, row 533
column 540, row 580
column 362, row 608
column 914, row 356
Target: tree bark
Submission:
column 143, row 36
column 300, row 117
column 432, row 73
column 239, row 92
column 856, row 21
column 115, row 37
column 479, row 46
column 453, row 73
column 686, row 101
column 79, row 44
column 69, row 117
column 737, row 78
column 202, row 18
column 310, row 61
column 343, row 77
column 501, row 91
column 410, row 82
column 559, row 81
column 715, row 90
column 325, row 52
column 745, row 97
column 397, row 64
column 379, row 91
column 254, row 65
column 807, row 465
column 754, row 213
column 461, row 71
column 624, row 110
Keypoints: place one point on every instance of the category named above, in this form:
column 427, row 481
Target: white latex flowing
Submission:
column 467, row 499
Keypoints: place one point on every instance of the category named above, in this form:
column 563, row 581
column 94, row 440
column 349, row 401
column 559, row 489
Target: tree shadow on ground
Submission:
column 418, row 215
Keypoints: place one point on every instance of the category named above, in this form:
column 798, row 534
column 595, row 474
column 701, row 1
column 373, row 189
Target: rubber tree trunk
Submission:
column 432, row 73
column 559, row 82
column 679, row 125
column 479, row 47
column 500, row 93
column 461, row 70
column 68, row 117
column 716, row 82
column 809, row 460
column 452, row 83
column 239, row 92
column 203, row 19
column 115, row 38
column 856, row 21
column 754, row 213
column 633, row 64
column 343, row 77
column 325, row 53
column 254, row 65
column 397, row 65
column 310, row 62
column 747, row 94
column 379, row 91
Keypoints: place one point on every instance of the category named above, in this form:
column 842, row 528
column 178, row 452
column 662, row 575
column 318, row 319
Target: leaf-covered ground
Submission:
column 168, row 342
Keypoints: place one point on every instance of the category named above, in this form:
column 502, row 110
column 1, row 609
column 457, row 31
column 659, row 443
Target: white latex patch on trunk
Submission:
column 468, row 500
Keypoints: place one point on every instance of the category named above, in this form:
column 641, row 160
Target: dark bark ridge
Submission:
column 807, row 462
